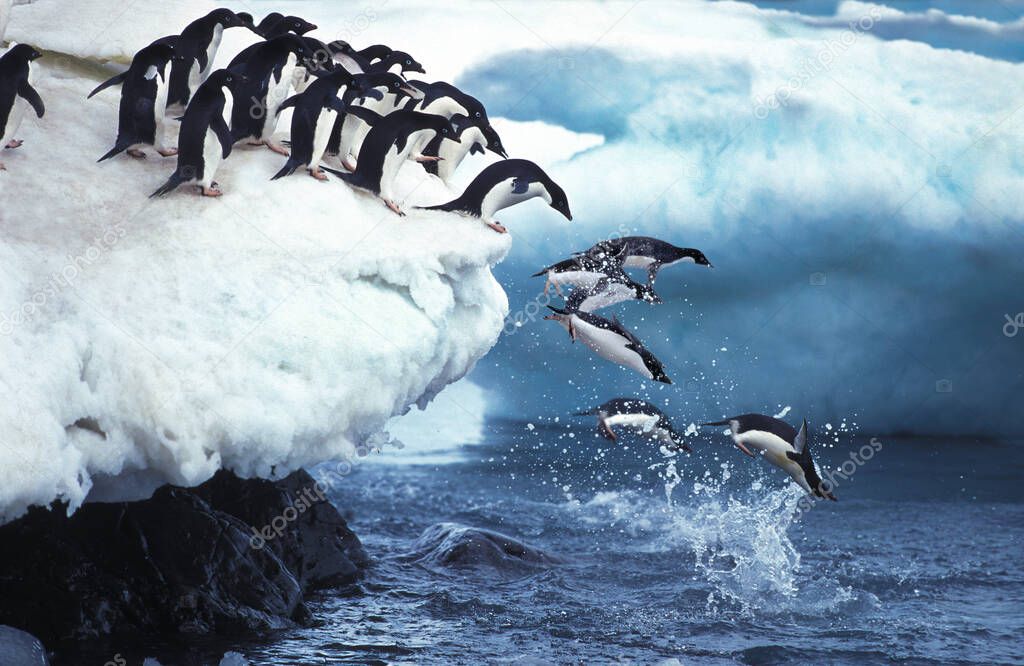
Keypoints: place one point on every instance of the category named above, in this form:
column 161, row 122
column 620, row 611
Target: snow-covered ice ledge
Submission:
column 151, row 341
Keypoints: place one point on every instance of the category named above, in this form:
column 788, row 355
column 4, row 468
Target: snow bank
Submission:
column 150, row 341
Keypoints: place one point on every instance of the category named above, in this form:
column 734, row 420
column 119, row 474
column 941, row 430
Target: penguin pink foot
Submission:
column 277, row 148
column 212, row 191
column 428, row 158
column 394, row 207
column 497, row 226
column 168, row 152
column 318, row 174
column 14, row 143
column 137, row 154
column 348, row 164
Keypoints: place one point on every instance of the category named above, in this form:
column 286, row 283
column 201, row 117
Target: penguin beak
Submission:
column 409, row 91
column 744, row 449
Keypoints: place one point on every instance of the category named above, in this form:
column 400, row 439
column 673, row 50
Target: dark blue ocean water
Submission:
column 920, row 561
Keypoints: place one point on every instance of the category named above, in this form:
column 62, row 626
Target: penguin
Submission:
column 443, row 97
column 205, row 138
column 274, row 25
column 581, row 271
column 267, row 71
column 384, row 82
column 610, row 340
column 505, row 184
column 615, row 287
column 649, row 253
column 780, row 444
column 639, row 415
column 353, row 130
column 316, row 109
column 451, row 150
column 17, row 93
column 143, row 102
column 198, row 45
column 390, row 142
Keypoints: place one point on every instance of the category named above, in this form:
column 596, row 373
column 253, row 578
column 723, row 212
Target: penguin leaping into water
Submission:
column 610, row 340
column 650, row 254
column 638, row 415
column 780, row 444
column 505, row 184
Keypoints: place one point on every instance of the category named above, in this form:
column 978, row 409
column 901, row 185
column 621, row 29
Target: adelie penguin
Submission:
column 638, row 415
column 316, row 109
column 391, row 141
column 610, row 340
column 384, row 83
column 144, row 90
column 205, row 138
column 17, row 93
column 781, row 445
column 198, row 45
column 267, row 74
column 650, row 254
column 614, row 288
column 505, row 184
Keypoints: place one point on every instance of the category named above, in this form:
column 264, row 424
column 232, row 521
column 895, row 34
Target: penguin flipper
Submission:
column 291, row 101
column 220, row 128
column 337, row 104
column 26, row 91
column 112, row 81
column 366, row 115
column 476, row 148
column 800, row 441
column 520, row 185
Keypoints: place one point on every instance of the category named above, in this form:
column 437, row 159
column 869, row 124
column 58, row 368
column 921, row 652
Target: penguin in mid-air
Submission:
column 650, row 254
column 610, row 340
column 205, row 138
column 198, row 45
column 639, row 415
column 781, row 445
column 17, row 93
column 268, row 74
column 316, row 109
column 615, row 287
column 144, row 90
column 391, row 140
column 505, row 184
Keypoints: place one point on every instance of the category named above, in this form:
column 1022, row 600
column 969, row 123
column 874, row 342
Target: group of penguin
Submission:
column 350, row 106
column 598, row 279
column 356, row 108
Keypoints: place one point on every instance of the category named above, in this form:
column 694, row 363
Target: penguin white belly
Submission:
column 211, row 52
column 612, row 294
column 641, row 422
column 637, row 262
column 581, row 279
column 444, row 106
column 276, row 95
column 394, row 159
column 682, row 260
column 322, row 135
column 160, row 106
column 501, row 196
column 195, row 77
column 610, row 346
column 453, row 152
column 775, row 449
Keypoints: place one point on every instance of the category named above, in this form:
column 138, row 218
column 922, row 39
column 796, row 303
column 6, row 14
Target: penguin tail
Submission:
column 449, row 207
column 290, row 167
column 558, row 310
column 172, row 184
column 542, row 271
column 349, row 178
column 118, row 148
column 715, row 423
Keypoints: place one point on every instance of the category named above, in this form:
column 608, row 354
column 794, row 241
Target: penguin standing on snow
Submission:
column 205, row 139
column 316, row 109
column 638, row 415
column 143, row 102
column 781, row 445
column 17, row 93
column 505, row 184
column 610, row 340
column 384, row 83
column 445, row 99
column 198, row 45
column 267, row 74
column 649, row 253
column 391, row 141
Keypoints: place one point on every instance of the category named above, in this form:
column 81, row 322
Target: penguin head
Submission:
column 405, row 61
column 393, row 83
column 23, row 52
column 493, row 140
column 694, row 255
column 226, row 78
column 229, row 19
column 559, row 201
column 296, row 25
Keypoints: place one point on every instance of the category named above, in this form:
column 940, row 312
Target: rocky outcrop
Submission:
column 447, row 545
column 229, row 555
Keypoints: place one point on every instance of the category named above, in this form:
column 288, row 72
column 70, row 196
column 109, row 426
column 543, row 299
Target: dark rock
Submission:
column 454, row 545
column 20, row 649
column 230, row 555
